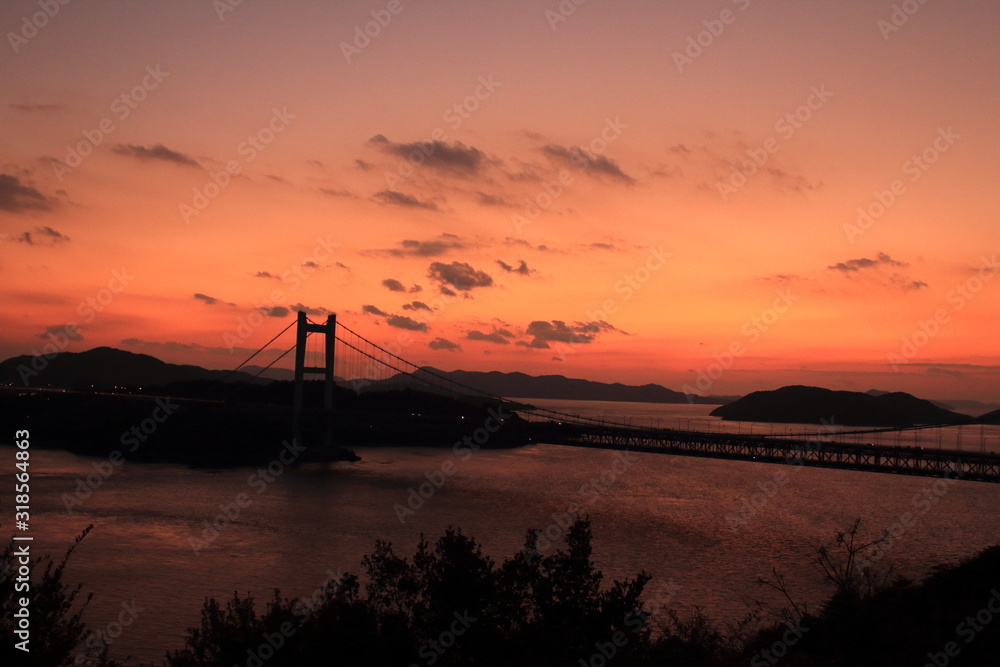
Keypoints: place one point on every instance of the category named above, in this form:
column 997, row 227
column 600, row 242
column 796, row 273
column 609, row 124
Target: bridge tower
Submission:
column 329, row 331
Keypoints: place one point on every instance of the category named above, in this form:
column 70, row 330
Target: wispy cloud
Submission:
column 156, row 152
column 16, row 197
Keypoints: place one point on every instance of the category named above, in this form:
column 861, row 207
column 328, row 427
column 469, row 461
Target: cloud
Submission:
column 459, row 275
column 432, row 248
column 58, row 331
column 603, row 246
column 854, row 265
column 583, row 159
column 374, row 310
column 42, row 236
column 403, row 322
column 393, row 285
column 263, row 274
column 498, row 336
column 945, row 371
column 155, row 152
column 298, row 307
column 37, row 107
column 454, row 158
column 16, row 197
column 274, row 311
column 330, row 192
column 400, row 199
column 211, row 300
column 490, row 200
column 522, row 268
column 417, row 305
column 557, row 331
column 364, row 166
column 444, row 344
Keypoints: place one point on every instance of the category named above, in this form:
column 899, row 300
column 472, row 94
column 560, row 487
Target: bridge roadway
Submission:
column 811, row 451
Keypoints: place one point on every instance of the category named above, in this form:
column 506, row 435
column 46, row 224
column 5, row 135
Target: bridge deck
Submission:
column 818, row 452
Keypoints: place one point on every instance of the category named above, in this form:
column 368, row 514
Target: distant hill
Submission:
column 520, row 385
column 812, row 405
column 104, row 368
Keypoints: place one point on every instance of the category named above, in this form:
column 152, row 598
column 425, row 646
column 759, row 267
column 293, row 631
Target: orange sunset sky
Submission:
column 767, row 193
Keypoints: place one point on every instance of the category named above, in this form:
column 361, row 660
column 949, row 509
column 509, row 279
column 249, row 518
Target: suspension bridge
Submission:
column 346, row 359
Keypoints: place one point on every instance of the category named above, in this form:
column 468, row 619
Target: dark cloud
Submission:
column 37, row 107
column 263, row 274
column 16, row 197
column 70, row 331
column 298, row 307
column 403, row 322
column 393, row 285
column 557, row 331
column 310, row 264
column 374, row 310
column 211, row 300
column 490, row 200
column 454, row 158
column 330, row 192
column 583, row 159
column 156, row 152
column 361, row 164
column 446, row 291
column 497, row 336
column 854, row 265
column 400, row 199
column 42, row 236
column 416, row 305
column 459, row 275
column 602, row 246
column 444, row 344
column 521, row 268
column 415, row 288
column 432, row 248
column 274, row 311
